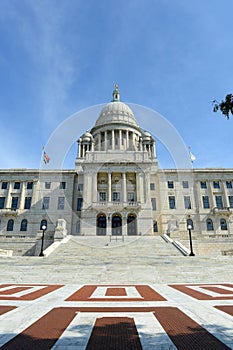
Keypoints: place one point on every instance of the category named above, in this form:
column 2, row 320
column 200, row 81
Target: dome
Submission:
column 116, row 112
column 146, row 136
column 86, row 137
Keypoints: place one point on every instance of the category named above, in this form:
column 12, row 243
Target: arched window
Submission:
column 223, row 224
column 190, row 223
column 24, row 225
column 10, row 225
column 209, row 225
column 43, row 223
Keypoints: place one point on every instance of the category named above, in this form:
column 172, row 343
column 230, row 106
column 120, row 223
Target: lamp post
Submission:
column 190, row 240
column 42, row 240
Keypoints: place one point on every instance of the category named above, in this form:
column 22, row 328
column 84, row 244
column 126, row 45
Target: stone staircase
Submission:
column 131, row 249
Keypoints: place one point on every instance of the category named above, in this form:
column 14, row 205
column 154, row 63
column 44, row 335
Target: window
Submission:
column 170, row 184
column 172, row 202
column 230, row 201
column 4, row 185
column 116, row 196
column 17, row 185
column 78, row 226
column 219, row 203
column 229, row 184
column 187, row 202
column 62, row 185
column 10, row 225
column 47, row 185
column 152, row 186
column 155, row 226
column 14, row 203
column 45, row 203
column 153, row 203
column 43, row 223
column 61, row 203
column 24, row 225
column 203, row 184
column 27, row 202
column 2, row 202
column 209, row 225
column 29, row 185
column 79, row 204
column 205, row 201
column 216, row 184
column 185, row 184
column 190, row 223
column 102, row 196
column 223, row 224
column 131, row 196
column 80, row 187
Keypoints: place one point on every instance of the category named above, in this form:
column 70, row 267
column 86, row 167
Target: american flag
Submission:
column 46, row 158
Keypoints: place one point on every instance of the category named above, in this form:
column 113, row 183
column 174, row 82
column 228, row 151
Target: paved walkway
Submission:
column 116, row 317
column 116, row 298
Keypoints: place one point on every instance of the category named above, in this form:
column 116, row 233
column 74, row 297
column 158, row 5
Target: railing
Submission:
column 9, row 211
column 117, row 204
column 222, row 211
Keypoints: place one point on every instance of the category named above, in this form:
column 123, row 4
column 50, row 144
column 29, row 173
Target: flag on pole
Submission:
column 46, row 158
column 192, row 156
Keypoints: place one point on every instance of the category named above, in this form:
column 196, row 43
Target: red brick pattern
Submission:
column 116, row 292
column 226, row 308
column 13, row 290
column 199, row 295
column 8, row 295
column 4, row 309
column 43, row 334
column 114, row 333
column 116, row 329
column 146, row 292
column 186, row 333
column 219, row 290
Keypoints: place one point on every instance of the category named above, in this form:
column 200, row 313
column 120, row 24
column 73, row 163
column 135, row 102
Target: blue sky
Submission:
column 59, row 57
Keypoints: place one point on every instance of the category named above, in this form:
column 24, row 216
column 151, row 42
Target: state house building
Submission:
column 116, row 188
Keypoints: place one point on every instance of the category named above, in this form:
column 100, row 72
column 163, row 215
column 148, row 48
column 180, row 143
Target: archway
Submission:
column 131, row 225
column 116, row 225
column 101, row 225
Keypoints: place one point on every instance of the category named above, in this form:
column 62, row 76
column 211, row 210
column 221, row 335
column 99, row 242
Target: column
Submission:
column 94, row 187
column 22, row 196
column 79, row 149
column 225, row 195
column 109, row 225
column 140, row 144
column 8, row 198
column 124, row 198
column 127, row 139
column 99, row 142
column 120, row 139
column 211, row 195
column 109, row 187
column 124, row 225
column 113, row 139
column 105, row 140
column 138, row 197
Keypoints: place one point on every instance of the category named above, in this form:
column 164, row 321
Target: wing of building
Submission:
column 116, row 189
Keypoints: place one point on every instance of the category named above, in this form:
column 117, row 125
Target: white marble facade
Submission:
column 116, row 189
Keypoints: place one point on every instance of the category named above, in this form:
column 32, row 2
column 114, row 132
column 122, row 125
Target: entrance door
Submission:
column 101, row 225
column 116, row 225
column 131, row 225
